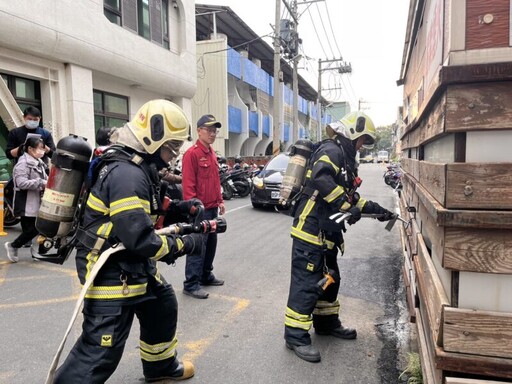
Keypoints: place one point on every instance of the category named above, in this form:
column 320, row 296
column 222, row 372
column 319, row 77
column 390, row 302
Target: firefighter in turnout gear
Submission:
column 121, row 201
column 330, row 187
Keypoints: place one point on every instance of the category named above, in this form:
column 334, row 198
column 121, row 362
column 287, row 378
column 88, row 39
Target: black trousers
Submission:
column 29, row 231
column 199, row 265
column 308, row 263
column 99, row 349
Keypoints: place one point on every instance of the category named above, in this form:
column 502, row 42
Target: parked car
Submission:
column 266, row 184
column 383, row 157
column 366, row 159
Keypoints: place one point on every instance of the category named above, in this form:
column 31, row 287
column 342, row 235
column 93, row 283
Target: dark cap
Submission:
column 208, row 121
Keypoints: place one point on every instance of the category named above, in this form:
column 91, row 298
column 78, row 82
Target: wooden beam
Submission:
column 492, row 367
column 478, row 186
column 430, row 374
column 460, row 380
column 432, row 176
column 460, row 218
column 476, row 332
column 431, row 291
column 459, row 74
column 478, row 250
column 479, row 106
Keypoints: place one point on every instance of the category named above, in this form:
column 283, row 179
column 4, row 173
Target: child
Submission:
column 29, row 181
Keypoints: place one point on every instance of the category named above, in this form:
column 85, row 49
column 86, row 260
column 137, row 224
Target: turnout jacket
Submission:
column 118, row 209
column 330, row 185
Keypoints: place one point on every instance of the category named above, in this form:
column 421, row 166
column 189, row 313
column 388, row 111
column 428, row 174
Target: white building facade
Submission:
column 93, row 63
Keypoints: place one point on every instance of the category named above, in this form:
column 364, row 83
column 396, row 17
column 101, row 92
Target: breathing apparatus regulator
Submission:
column 295, row 173
column 58, row 215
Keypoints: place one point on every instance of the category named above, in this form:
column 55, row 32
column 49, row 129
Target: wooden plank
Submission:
column 457, row 74
column 478, row 250
column 431, row 375
column 433, row 124
column 479, row 186
column 412, row 167
column 492, row 367
column 431, row 291
column 433, row 177
column 479, row 106
column 460, row 380
column 461, row 218
column 432, row 233
column 409, row 277
column 476, row 332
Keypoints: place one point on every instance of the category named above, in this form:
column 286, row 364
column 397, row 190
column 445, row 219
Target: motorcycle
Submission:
column 393, row 176
column 234, row 182
column 10, row 218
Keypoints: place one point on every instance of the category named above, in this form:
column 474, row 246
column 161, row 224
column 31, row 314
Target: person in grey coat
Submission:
column 29, row 182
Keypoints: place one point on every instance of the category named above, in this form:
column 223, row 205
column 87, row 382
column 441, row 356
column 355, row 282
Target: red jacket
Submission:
column 201, row 175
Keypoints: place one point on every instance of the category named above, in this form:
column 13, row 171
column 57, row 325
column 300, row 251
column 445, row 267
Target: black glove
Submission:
column 192, row 243
column 191, row 207
column 355, row 215
column 386, row 215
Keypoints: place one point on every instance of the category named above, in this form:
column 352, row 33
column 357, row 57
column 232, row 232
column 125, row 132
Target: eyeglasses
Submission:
column 211, row 131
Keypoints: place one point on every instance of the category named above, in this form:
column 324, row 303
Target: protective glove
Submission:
column 192, row 243
column 355, row 215
column 191, row 207
column 386, row 215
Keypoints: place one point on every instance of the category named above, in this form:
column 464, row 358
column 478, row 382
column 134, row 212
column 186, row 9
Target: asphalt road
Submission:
column 236, row 335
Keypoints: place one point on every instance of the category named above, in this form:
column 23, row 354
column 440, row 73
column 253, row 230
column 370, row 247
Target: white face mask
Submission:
column 38, row 153
column 31, row 124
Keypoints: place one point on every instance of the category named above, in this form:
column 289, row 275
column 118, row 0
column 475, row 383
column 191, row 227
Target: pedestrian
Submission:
column 29, row 176
column 118, row 210
column 331, row 181
column 17, row 137
column 201, row 180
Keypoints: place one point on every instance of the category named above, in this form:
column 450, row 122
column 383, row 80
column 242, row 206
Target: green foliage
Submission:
column 384, row 138
column 413, row 369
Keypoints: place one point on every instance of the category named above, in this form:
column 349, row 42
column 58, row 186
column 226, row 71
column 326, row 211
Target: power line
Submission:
column 317, row 35
column 325, row 31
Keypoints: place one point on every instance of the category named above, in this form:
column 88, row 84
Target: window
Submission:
column 110, row 110
column 112, row 10
column 26, row 92
column 147, row 18
column 143, row 18
column 165, row 23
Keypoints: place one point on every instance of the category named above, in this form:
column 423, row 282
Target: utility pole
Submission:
column 341, row 68
column 277, row 86
column 295, row 79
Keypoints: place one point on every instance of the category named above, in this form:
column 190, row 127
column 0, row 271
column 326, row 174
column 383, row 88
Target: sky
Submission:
column 368, row 34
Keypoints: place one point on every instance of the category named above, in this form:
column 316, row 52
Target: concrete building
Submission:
column 91, row 63
column 236, row 84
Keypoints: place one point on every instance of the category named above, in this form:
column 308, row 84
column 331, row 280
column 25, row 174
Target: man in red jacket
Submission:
column 201, row 181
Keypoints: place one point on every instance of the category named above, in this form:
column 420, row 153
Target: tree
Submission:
column 384, row 141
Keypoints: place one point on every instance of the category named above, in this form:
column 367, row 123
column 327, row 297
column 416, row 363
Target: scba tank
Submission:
column 296, row 170
column 70, row 163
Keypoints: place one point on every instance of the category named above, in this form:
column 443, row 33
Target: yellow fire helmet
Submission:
column 353, row 126
column 159, row 121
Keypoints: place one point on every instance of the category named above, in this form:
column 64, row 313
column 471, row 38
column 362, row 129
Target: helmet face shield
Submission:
column 173, row 146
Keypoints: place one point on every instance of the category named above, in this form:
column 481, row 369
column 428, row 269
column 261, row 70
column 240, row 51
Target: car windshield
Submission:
column 278, row 163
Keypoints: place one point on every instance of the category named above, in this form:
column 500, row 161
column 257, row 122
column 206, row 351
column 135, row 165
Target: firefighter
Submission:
column 118, row 210
column 331, row 181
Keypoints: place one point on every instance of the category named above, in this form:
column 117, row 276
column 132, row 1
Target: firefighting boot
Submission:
column 305, row 352
column 184, row 371
column 341, row 332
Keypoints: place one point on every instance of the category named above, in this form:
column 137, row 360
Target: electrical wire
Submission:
column 325, row 31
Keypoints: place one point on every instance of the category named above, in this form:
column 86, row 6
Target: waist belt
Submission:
column 95, row 243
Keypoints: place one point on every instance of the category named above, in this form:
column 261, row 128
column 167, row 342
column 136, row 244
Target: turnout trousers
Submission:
column 307, row 305
column 105, row 328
